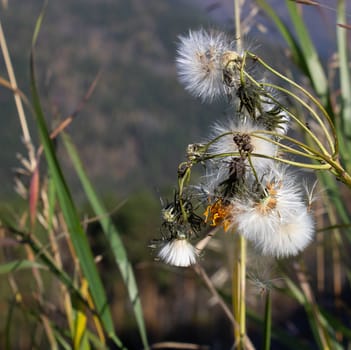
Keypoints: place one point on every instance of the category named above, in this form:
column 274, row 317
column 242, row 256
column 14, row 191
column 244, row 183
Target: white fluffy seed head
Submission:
column 178, row 252
column 199, row 63
column 280, row 224
column 292, row 237
column 225, row 144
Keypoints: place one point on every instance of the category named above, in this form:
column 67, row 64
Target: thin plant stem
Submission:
column 22, row 117
column 331, row 142
column 202, row 273
column 237, row 23
column 242, row 288
column 267, row 322
column 239, row 290
column 297, row 120
column 315, row 115
column 239, row 263
column 282, row 160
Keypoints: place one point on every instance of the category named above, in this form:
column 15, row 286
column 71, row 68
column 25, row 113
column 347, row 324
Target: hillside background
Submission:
column 135, row 128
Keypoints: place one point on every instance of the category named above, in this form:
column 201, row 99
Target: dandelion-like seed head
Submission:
column 278, row 223
column 261, row 279
column 238, row 136
column 293, row 235
column 178, row 251
column 201, row 59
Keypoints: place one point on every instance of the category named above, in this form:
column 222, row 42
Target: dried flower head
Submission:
column 262, row 106
column 237, row 137
column 178, row 213
column 205, row 64
column 219, row 213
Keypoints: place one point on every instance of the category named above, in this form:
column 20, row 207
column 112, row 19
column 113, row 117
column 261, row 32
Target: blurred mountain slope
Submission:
column 135, row 128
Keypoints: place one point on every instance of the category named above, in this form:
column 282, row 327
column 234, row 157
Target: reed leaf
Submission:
column 345, row 82
column 19, row 265
column 76, row 232
column 112, row 236
column 310, row 55
column 294, row 47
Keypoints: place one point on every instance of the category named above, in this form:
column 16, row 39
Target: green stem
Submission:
column 282, row 160
column 267, row 322
column 306, row 93
column 313, row 113
column 239, row 290
column 297, row 120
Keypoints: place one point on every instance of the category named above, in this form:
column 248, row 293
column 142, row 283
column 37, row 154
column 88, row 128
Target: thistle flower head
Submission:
column 178, row 251
column 204, row 60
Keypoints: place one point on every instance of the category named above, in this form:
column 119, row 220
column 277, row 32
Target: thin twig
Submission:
column 22, row 117
column 175, row 345
column 207, row 280
column 67, row 121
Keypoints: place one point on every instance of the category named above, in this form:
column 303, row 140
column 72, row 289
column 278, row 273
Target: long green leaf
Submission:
column 113, row 237
column 286, row 34
column 315, row 69
column 77, row 234
column 321, row 329
column 48, row 261
column 345, row 79
column 337, row 323
column 19, row 265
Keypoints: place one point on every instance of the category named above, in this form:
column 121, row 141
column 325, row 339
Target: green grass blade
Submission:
column 337, row 324
column 286, row 34
column 7, row 329
column 345, row 79
column 19, row 265
column 282, row 336
column 62, row 341
column 321, row 329
column 48, row 261
column 95, row 341
column 315, row 69
column 38, row 23
column 267, row 322
column 113, row 237
column 77, row 234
